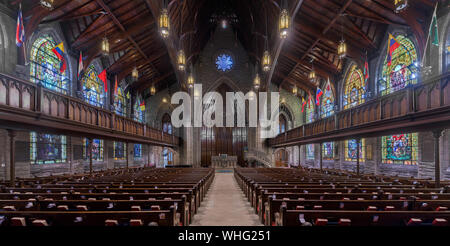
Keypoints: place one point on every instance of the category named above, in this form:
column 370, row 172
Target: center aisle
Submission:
column 225, row 205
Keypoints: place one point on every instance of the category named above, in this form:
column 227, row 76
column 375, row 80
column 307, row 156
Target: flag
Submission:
column 433, row 33
column 319, row 93
column 393, row 44
column 58, row 50
column 303, row 104
column 309, row 97
column 20, row 31
column 115, row 88
column 366, row 71
column 142, row 105
column 80, row 64
column 102, row 77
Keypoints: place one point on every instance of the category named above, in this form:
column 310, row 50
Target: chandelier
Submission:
column 266, row 61
column 164, row 23
column 257, row 81
column 284, row 24
column 190, row 80
column 342, row 49
column 294, row 90
column 152, row 90
column 135, row 74
column 181, row 60
column 105, row 46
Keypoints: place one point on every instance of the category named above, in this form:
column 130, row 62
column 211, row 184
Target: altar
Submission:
column 224, row 161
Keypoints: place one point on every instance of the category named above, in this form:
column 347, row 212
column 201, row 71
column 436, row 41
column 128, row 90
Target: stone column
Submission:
column 437, row 165
column 12, row 161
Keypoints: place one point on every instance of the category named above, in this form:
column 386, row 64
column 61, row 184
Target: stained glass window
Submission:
column 224, row 62
column 120, row 103
column 328, row 150
column 403, row 69
column 310, row 152
column 97, row 149
column 137, row 151
column 355, row 91
column 47, row 148
column 93, row 90
column 120, row 151
column 351, row 151
column 400, row 149
column 282, row 125
column 447, row 51
column 327, row 105
column 167, row 124
column 139, row 113
column 45, row 66
column 167, row 157
column 310, row 112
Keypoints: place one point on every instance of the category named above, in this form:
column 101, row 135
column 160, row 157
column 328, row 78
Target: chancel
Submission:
column 224, row 113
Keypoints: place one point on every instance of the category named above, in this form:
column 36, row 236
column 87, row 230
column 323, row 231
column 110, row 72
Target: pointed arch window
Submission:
column 351, row 150
column 167, row 124
column 355, row 89
column 282, row 127
column 328, row 150
column 93, row 89
column 45, row 66
column 139, row 110
column 403, row 69
column 120, row 102
column 327, row 105
column 309, row 112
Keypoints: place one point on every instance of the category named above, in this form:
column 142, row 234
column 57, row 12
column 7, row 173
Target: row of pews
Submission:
column 120, row 197
column 311, row 197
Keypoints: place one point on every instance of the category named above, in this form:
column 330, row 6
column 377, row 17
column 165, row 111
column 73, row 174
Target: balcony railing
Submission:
column 31, row 104
column 420, row 105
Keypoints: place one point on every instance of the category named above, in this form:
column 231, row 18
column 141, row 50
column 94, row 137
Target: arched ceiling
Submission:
column 131, row 26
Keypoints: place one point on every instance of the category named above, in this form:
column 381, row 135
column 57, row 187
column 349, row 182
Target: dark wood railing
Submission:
column 419, row 107
column 35, row 107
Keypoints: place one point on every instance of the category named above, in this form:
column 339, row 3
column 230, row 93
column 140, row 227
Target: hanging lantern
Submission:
column 284, row 24
column 164, row 100
column 312, row 76
column 257, row 81
column 48, row 4
column 152, row 90
column 135, row 74
column 190, row 80
column 181, row 60
column 400, row 5
column 294, row 90
column 342, row 49
column 105, row 46
column 164, row 23
column 251, row 95
column 266, row 61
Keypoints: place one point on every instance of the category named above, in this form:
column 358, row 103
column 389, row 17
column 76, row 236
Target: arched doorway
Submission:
column 281, row 158
column 215, row 141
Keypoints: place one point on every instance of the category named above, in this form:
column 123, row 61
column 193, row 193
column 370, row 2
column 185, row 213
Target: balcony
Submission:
column 27, row 106
column 421, row 107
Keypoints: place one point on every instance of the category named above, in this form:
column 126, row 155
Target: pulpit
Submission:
column 224, row 161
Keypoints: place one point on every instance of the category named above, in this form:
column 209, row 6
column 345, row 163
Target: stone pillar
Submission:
column 437, row 165
column 358, row 143
column 320, row 156
column 12, row 161
column 91, row 143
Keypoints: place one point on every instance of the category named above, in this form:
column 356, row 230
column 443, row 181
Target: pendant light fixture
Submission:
column 342, row 47
column 266, row 59
column 284, row 22
column 164, row 21
column 312, row 74
column 105, row 46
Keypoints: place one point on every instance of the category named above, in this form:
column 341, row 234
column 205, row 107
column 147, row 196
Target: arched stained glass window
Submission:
column 310, row 112
column 400, row 149
column 328, row 150
column 327, row 105
column 351, row 150
column 354, row 91
column 139, row 111
column 167, row 157
column 310, row 152
column 97, row 149
column 447, row 52
column 283, row 123
column 47, row 148
column 403, row 68
column 120, row 151
column 93, row 90
column 45, row 66
column 137, row 151
column 120, row 102
column 167, row 124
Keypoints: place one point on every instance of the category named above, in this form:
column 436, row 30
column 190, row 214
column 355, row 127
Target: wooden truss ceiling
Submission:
column 131, row 26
